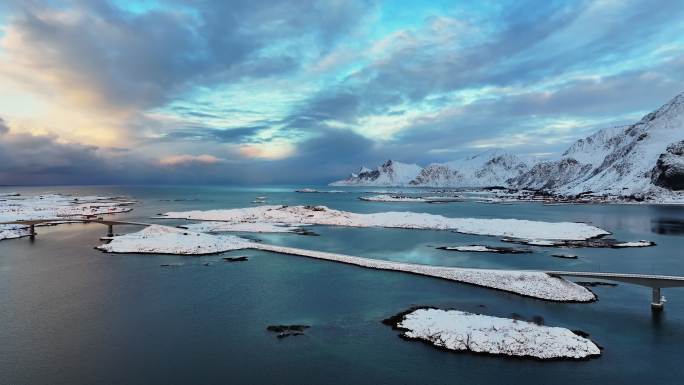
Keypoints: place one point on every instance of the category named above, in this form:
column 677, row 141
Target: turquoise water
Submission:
column 72, row 315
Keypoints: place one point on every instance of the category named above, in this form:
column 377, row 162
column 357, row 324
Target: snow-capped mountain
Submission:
column 640, row 159
column 390, row 173
column 487, row 169
column 643, row 159
column 490, row 168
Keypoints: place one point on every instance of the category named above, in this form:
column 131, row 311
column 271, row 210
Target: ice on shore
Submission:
column 391, row 198
column 473, row 248
column 634, row 244
column 169, row 240
column 462, row 331
column 322, row 215
column 485, row 249
column 158, row 239
column 409, row 198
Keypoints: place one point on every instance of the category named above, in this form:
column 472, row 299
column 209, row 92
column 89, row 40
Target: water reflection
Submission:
column 667, row 226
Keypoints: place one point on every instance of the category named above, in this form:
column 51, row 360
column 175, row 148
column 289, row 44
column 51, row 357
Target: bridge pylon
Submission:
column 657, row 300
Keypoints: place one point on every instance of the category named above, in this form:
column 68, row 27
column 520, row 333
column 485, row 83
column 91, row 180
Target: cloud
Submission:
column 259, row 91
column 3, row 127
column 185, row 159
column 142, row 60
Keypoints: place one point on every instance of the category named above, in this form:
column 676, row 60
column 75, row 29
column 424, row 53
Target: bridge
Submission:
column 31, row 223
column 655, row 282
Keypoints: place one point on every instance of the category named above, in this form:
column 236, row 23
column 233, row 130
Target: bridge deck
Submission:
column 29, row 222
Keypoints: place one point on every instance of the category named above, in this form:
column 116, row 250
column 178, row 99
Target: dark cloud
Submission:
column 3, row 127
column 145, row 59
column 203, row 134
column 42, row 160
column 528, row 48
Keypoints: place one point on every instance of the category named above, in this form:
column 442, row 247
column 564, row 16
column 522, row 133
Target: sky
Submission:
column 306, row 91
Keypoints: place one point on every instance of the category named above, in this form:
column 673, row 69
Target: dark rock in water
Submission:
column 170, row 264
column 301, row 231
column 235, row 259
column 287, row 330
column 595, row 283
column 252, row 238
column 207, row 264
column 489, row 249
column 593, row 242
column 669, row 169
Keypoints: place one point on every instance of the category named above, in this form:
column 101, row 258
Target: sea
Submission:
column 70, row 314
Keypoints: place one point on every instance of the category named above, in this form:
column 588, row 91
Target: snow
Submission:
column 157, row 239
column 407, row 198
column 634, row 244
column 474, row 248
column 14, row 231
column 390, row 173
column 614, row 164
column 52, row 206
column 490, row 168
column 391, row 198
column 322, row 215
column 540, row 242
column 617, row 161
column 528, row 283
column 463, row 331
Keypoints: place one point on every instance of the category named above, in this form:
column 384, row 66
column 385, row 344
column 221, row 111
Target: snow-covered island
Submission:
column 15, row 207
column 157, row 239
column 322, row 215
column 462, row 331
column 642, row 162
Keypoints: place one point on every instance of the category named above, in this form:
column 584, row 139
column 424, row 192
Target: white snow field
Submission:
column 159, row 239
column 322, row 215
column 462, row 331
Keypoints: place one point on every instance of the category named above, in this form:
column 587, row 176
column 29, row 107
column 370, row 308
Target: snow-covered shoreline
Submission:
column 157, row 239
column 456, row 330
column 409, row 198
column 322, row 215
